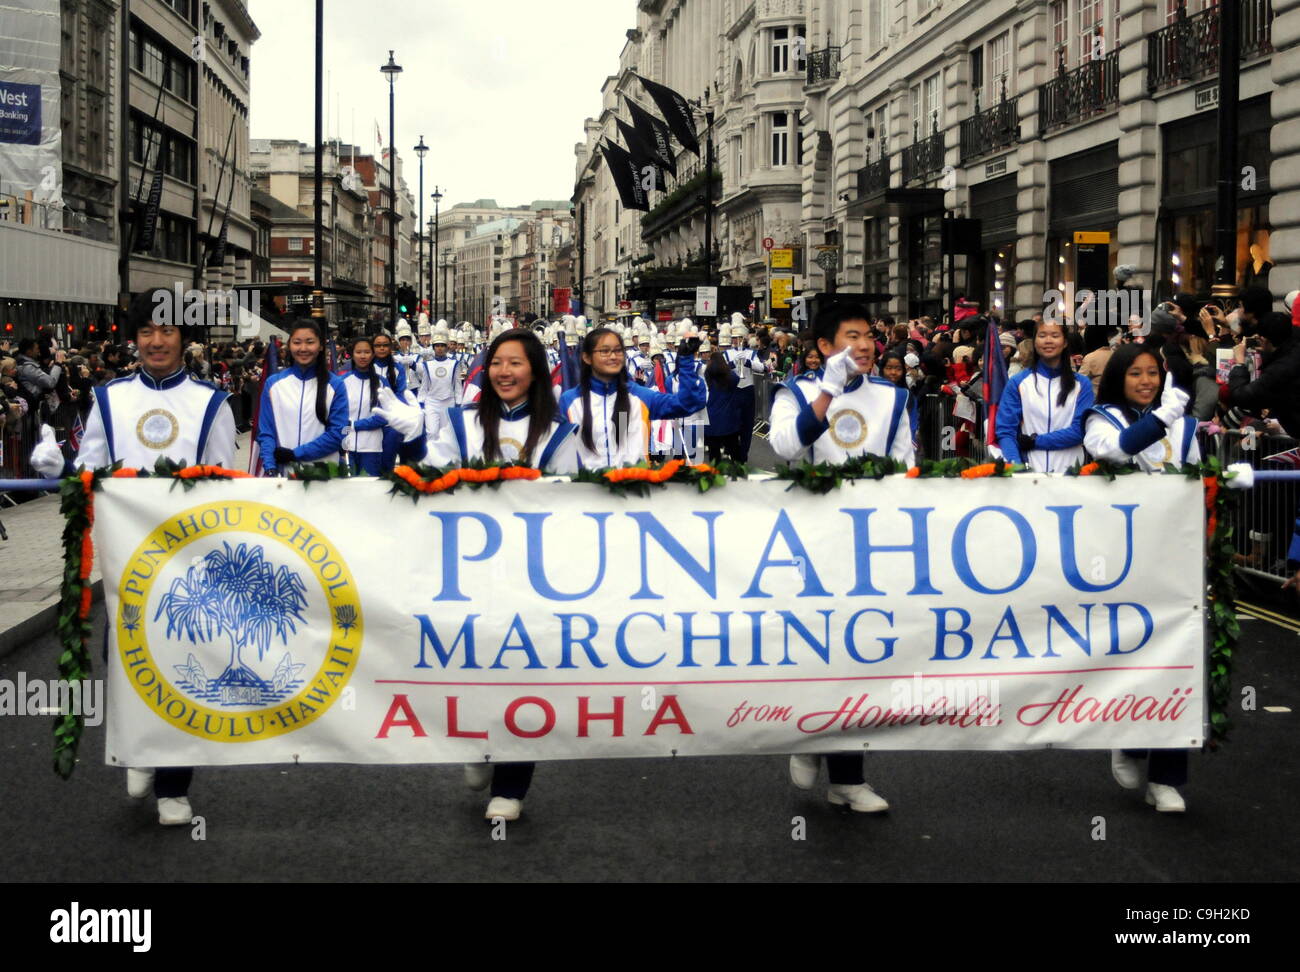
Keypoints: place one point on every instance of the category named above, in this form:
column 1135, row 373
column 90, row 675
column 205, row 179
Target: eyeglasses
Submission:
column 610, row 352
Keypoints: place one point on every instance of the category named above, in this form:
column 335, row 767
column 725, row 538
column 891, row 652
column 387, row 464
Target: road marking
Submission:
column 1277, row 708
column 1262, row 614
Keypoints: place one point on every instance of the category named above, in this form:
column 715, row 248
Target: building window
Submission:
column 1060, row 12
column 932, row 106
column 780, row 50
column 148, row 58
column 877, row 137
column 875, row 25
column 737, row 160
column 1091, row 42
column 999, row 68
column 780, row 139
column 295, row 244
column 95, row 128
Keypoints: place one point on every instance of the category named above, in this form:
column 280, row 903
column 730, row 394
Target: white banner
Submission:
column 259, row 621
column 31, row 92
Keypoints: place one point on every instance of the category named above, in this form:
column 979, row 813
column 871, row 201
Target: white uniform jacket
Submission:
column 139, row 419
column 1122, row 435
column 869, row 418
column 626, row 447
column 460, row 440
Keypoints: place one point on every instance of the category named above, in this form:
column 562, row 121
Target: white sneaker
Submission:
column 1127, row 770
column 860, row 797
column 139, row 783
column 478, row 775
column 505, row 808
column 803, row 771
column 174, row 811
column 1166, row 799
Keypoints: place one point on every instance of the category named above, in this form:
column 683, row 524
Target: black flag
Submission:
column 654, row 134
column 627, row 178
column 643, row 155
column 150, row 227
column 676, row 111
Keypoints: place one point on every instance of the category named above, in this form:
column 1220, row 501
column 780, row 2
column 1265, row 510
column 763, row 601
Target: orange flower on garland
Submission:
column 521, row 472
column 1211, row 504
column 126, row 474
column 979, row 472
column 1089, row 469
column 914, row 472
column 220, row 472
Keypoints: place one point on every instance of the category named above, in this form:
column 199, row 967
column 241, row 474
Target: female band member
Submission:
column 613, row 415
column 304, row 409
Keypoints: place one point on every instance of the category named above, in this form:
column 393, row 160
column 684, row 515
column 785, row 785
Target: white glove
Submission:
column 1173, row 403
column 400, row 416
column 47, row 457
column 349, row 439
column 840, row 369
column 1244, row 477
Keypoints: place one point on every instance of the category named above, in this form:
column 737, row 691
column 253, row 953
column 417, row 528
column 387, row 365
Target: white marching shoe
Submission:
column 478, row 775
column 139, row 783
column 503, row 807
column 1127, row 770
column 1166, row 799
column 174, row 811
column 803, row 771
column 860, row 797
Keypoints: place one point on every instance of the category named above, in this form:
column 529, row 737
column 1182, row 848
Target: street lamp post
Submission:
column 437, row 198
column 392, row 70
column 433, row 269
column 421, row 150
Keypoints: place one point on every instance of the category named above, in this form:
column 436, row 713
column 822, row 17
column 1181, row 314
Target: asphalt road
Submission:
column 956, row 816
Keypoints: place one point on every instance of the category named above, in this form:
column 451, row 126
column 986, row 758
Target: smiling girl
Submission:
column 1040, row 415
column 304, row 410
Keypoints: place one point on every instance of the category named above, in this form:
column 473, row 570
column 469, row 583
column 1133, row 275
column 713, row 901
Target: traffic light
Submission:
column 405, row 299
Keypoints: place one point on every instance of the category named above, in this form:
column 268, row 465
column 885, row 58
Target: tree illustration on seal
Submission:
column 235, row 593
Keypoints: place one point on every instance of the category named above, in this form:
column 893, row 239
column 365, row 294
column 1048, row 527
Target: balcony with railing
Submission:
column 923, row 157
column 873, row 178
column 991, row 129
column 1090, row 89
column 823, row 65
column 1188, row 48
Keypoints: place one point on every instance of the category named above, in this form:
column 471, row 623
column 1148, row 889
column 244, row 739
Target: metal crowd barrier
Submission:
column 1264, row 519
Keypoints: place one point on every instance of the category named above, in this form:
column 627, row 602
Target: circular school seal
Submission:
column 157, row 428
column 848, row 428
column 238, row 621
column 1169, row 450
column 514, row 444
column 440, row 371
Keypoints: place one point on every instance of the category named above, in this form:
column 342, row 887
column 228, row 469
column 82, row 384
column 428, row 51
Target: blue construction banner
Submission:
column 20, row 113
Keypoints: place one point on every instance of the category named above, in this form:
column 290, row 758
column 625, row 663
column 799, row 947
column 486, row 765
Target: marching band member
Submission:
column 160, row 411
column 515, row 420
column 615, row 428
column 304, row 409
column 406, row 355
column 1140, row 418
column 363, row 440
column 746, row 362
column 845, row 412
column 1040, row 416
column 437, row 382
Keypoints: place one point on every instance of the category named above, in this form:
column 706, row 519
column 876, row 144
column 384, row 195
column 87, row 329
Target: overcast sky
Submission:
column 498, row 88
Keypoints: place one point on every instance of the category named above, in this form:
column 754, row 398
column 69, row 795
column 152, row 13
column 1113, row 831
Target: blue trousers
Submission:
column 369, row 463
column 512, row 779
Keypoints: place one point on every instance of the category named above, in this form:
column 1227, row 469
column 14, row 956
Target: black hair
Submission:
column 827, row 325
column 385, row 366
column 889, row 356
column 28, row 345
column 1110, row 390
column 718, row 373
column 541, row 403
column 322, row 367
column 374, row 377
column 808, row 349
column 1068, row 381
column 1256, row 301
column 584, row 383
